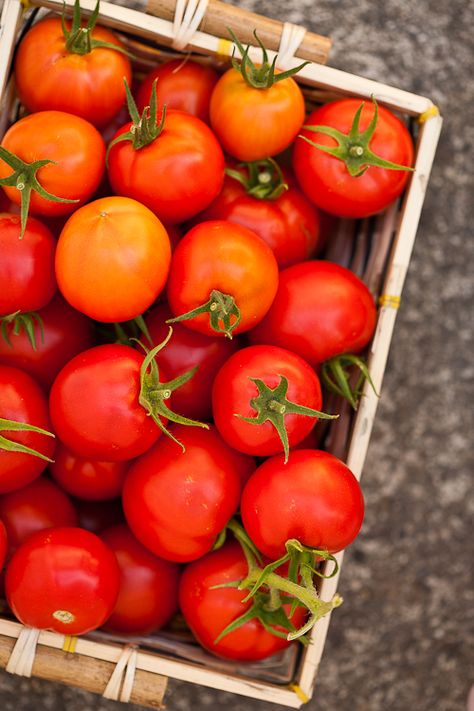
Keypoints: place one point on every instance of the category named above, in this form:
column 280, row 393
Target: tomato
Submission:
column 182, row 84
column 326, row 179
column 3, row 544
column 63, row 333
column 209, row 611
column 63, row 579
column 185, row 350
column 148, row 594
column 236, row 395
column 26, row 266
column 228, row 268
column 97, row 516
column 23, row 401
column 288, row 223
column 321, row 310
column 33, row 508
column 112, row 259
column 177, row 503
column 176, row 175
column 45, row 65
column 85, row 478
column 318, row 499
column 76, row 149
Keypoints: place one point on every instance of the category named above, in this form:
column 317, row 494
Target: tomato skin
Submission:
column 94, row 405
column 318, row 499
column 22, row 400
column 177, row 175
column 208, row 612
column 177, row 503
column 148, row 595
column 108, row 242
column 289, row 224
column 63, row 570
column 228, row 257
column 184, row 351
column 233, row 391
column 65, row 333
column 26, row 266
column 97, row 516
column 182, row 85
column 3, row 544
column 320, row 310
column 76, row 148
column 326, row 180
column 255, row 123
column 35, row 507
column 94, row 81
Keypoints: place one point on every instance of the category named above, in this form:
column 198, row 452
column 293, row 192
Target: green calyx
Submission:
column 224, row 314
column 132, row 330
column 262, row 76
column 336, row 375
column 153, row 393
column 79, row 39
column 24, row 179
column 22, row 321
column 354, row 148
column 262, row 179
column 9, row 446
column 273, row 406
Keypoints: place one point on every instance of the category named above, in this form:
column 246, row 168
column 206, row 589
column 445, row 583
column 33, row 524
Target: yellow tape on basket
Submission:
column 389, row 300
column 70, row 642
column 299, row 693
column 429, row 113
column 224, row 47
column 26, row 4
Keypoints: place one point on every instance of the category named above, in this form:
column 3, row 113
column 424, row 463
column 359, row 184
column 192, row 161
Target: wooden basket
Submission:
column 378, row 249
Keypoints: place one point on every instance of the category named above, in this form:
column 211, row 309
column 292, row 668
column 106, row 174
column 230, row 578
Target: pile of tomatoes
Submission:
column 164, row 320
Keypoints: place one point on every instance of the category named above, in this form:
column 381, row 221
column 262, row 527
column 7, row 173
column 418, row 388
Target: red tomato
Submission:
column 321, row 310
column 318, row 500
column 184, row 85
column 177, row 175
column 26, row 266
column 76, row 149
column 44, row 67
column 209, row 611
column 112, row 259
column 97, row 516
column 327, row 181
column 94, row 405
column 63, row 579
column 3, row 544
column 227, row 258
column 87, row 478
column 177, row 503
column 148, row 594
column 64, row 333
column 33, row 508
column 22, row 400
column 235, row 395
column 185, row 350
column 289, row 224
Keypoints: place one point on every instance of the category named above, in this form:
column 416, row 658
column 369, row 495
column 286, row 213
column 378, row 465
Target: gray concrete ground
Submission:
column 404, row 637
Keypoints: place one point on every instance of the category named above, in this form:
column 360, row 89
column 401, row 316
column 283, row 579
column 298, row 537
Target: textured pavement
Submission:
column 404, row 639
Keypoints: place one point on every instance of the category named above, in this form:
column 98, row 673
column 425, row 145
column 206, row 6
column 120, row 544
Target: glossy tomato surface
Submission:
column 3, row 544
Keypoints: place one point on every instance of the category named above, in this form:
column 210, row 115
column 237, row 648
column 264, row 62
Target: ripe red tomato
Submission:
column 87, row 478
column 184, row 85
column 76, row 149
column 236, row 395
column 112, row 259
column 325, row 178
column 3, row 544
column 63, row 334
column 219, row 257
column 176, row 175
column 185, row 350
column 23, row 401
column 320, row 310
column 33, row 508
column 63, row 579
column 148, row 594
column 45, row 64
column 317, row 497
column 177, row 503
column 209, row 611
column 26, row 266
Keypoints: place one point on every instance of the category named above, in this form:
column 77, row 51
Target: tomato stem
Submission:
column 224, row 314
column 336, row 373
column 13, row 426
column 79, row 39
column 27, row 321
column 262, row 179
